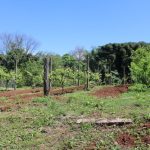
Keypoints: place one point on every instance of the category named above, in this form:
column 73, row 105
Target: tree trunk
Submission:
column 110, row 82
column 74, row 78
column 50, row 83
column 124, row 75
column 16, row 69
column 87, row 79
column 78, row 73
column 62, row 88
column 46, row 77
column 7, row 84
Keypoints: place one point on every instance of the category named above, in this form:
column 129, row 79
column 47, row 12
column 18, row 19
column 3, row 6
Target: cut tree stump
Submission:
column 116, row 121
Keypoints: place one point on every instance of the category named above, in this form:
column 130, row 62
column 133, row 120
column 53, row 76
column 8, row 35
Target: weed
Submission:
column 41, row 100
column 147, row 117
column 20, row 129
column 85, row 127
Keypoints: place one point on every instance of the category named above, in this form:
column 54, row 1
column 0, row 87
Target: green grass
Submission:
column 46, row 123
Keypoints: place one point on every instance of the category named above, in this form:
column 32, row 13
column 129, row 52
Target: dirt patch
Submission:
column 111, row 91
column 146, row 139
column 95, row 114
column 19, row 92
column 126, row 140
column 147, row 125
column 9, row 108
column 29, row 94
column 58, row 98
column 25, row 96
column 5, row 108
column 91, row 146
column 67, row 90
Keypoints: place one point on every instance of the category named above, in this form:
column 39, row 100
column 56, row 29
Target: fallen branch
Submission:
column 117, row 121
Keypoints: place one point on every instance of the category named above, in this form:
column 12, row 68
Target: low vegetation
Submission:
column 50, row 123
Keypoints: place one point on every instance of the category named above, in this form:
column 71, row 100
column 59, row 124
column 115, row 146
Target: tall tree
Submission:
column 68, row 61
column 17, row 41
column 15, row 47
column 118, row 56
column 140, row 66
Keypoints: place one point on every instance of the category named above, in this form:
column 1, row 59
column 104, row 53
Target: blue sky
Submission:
column 62, row 25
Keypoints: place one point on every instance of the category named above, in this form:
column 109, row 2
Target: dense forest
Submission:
column 114, row 59
column 21, row 66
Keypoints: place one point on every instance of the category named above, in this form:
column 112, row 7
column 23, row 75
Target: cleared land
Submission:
column 50, row 123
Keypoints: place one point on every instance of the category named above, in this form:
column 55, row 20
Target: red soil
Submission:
column 91, row 146
column 24, row 96
column 126, row 140
column 146, row 125
column 5, row 108
column 111, row 91
column 146, row 139
column 32, row 93
column 19, row 92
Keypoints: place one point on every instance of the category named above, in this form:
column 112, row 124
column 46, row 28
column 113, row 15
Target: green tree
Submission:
column 61, row 77
column 33, row 73
column 68, row 61
column 95, row 78
column 118, row 56
column 140, row 66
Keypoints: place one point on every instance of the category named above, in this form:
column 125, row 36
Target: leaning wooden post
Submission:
column 87, row 79
column 46, row 77
column 78, row 72
column 16, row 70
column 50, row 83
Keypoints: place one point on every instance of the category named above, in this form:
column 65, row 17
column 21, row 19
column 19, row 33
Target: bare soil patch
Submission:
column 111, row 91
column 91, row 146
column 19, row 92
column 147, row 125
column 146, row 139
column 126, row 140
column 38, row 92
column 25, row 96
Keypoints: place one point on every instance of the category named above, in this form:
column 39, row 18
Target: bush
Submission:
column 138, row 87
column 140, row 66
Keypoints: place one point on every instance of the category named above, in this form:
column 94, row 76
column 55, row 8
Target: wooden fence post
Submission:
column 50, row 83
column 78, row 72
column 87, row 79
column 46, row 77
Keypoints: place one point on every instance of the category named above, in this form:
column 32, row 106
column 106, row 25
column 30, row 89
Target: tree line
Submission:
column 113, row 60
column 21, row 66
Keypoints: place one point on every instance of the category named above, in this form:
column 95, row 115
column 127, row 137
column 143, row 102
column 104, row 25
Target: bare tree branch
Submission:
column 79, row 53
column 17, row 41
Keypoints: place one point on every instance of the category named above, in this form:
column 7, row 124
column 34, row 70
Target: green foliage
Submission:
column 56, row 62
column 68, row 61
column 138, row 87
column 33, row 73
column 115, row 78
column 62, row 76
column 140, row 66
column 3, row 74
column 19, row 78
column 80, row 75
column 109, row 64
column 95, row 78
column 115, row 56
column 147, row 117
